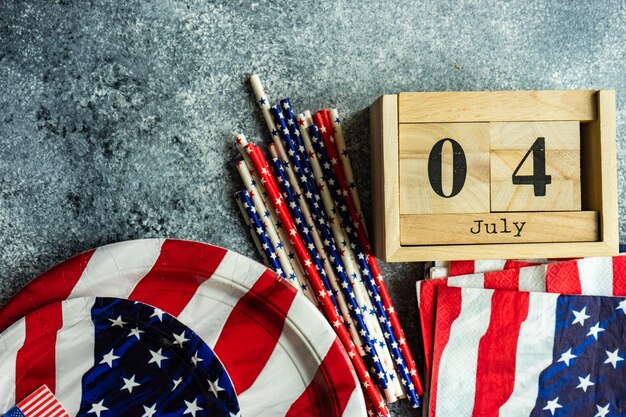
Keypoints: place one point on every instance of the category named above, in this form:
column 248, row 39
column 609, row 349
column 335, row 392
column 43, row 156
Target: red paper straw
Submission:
column 322, row 120
column 328, row 307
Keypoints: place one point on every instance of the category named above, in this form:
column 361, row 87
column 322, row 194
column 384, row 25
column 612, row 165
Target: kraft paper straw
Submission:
column 342, row 195
column 350, row 296
column 241, row 142
column 328, row 308
column 299, row 281
column 253, row 233
column 324, row 118
column 267, row 249
column 345, row 161
column 352, row 268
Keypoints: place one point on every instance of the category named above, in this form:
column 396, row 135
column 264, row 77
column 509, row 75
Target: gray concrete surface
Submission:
column 117, row 118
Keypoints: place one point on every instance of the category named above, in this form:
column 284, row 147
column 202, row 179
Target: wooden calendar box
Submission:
column 494, row 175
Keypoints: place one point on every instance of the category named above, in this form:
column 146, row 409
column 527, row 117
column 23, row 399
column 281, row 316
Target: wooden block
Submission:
column 496, row 106
column 481, row 228
column 535, row 166
column 444, row 168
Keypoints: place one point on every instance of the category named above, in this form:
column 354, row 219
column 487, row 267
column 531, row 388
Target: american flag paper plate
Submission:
column 116, row 357
column 282, row 356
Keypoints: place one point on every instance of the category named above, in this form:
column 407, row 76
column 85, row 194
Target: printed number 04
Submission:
column 538, row 180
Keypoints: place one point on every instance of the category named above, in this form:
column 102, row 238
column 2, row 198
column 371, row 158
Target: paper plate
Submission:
column 281, row 354
column 115, row 357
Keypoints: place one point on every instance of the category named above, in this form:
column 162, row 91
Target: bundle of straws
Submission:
column 303, row 211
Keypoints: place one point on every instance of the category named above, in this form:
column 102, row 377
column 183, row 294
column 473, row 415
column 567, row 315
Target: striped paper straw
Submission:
column 282, row 240
column 253, row 233
column 352, row 268
column 368, row 279
column 345, row 161
column 371, row 260
column 295, row 147
column 328, row 308
column 299, row 280
column 243, row 197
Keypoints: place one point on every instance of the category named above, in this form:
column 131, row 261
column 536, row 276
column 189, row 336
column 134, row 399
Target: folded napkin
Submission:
column 590, row 276
column 510, row 353
column 41, row 403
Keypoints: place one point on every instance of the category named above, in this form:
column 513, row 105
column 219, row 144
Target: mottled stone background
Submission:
column 117, row 117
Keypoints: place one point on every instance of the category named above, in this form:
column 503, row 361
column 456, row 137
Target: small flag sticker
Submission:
column 41, row 403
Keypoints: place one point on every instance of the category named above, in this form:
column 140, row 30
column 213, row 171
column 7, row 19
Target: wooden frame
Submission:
column 595, row 109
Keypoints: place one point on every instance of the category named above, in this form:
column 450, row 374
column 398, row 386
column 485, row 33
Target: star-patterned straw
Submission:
column 352, row 269
column 287, row 126
column 347, row 289
column 298, row 280
column 345, row 161
column 358, row 231
column 326, row 304
column 246, row 202
column 283, row 240
column 253, row 233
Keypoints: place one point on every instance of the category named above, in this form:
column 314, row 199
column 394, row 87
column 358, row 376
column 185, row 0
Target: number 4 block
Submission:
column 535, row 166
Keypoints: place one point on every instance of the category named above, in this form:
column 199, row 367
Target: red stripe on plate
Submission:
column 448, row 310
column 563, row 278
column 331, row 388
column 504, row 280
column 171, row 289
column 62, row 279
column 36, row 360
column 495, row 373
column 255, row 320
column 619, row 275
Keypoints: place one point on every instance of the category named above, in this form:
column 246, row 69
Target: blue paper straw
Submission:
column 345, row 283
column 255, row 238
column 257, row 225
column 366, row 274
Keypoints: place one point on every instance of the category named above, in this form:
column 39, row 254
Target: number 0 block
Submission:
column 444, row 168
column 535, row 166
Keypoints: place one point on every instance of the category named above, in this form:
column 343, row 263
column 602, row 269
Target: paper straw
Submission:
column 267, row 249
column 295, row 271
column 253, row 233
column 328, row 308
column 298, row 280
column 345, row 161
column 352, row 269
column 371, row 259
column 296, row 148
column 341, row 196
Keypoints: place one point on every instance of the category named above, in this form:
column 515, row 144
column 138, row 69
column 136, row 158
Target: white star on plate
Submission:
column 149, row 411
column 553, row 405
column 158, row 313
column 613, row 358
column 129, row 384
column 581, row 316
column 214, row 387
column 177, row 383
column 595, row 330
column 192, row 408
column 157, row 357
column 195, row 359
column 179, row 339
column 136, row 332
column 585, row 382
column 97, row 408
column 622, row 306
column 235, row 415
column 602, row 411
column 567, row 356
column 118, row 322
column 109, row 358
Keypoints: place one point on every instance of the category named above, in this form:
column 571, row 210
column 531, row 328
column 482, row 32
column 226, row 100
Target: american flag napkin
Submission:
column 41, row 403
